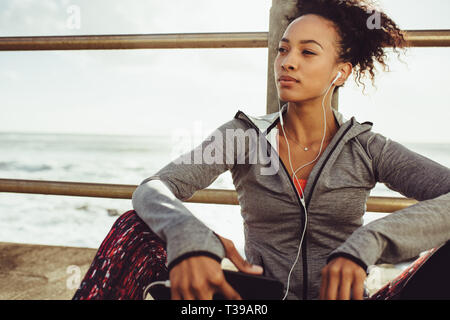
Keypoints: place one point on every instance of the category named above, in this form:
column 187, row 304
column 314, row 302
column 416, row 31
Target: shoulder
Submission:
column 232, row 124
column 262, row 122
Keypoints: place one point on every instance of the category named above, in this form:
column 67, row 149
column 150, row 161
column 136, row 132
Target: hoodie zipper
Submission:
column 304, row 254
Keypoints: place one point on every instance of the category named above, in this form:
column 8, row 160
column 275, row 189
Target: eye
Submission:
column 308, row 52
column 281, row 49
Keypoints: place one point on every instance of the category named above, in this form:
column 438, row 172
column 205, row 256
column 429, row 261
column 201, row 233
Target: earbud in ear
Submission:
column 337, row 77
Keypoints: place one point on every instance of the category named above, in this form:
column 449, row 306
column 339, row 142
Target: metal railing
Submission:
column 125, row 191
column 415, row 38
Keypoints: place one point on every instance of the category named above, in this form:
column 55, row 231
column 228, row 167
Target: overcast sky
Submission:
column 148, row 91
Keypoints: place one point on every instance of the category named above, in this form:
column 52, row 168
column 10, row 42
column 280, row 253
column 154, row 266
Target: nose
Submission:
column 287, row 63
column 285, row 66
column 284, row 63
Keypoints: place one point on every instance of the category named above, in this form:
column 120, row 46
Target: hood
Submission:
column 267, row 122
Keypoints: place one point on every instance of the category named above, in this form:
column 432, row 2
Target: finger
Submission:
column 207, row 295
column 188, row 295
column 228, row 292
column 184, row 291
column 323, row 285
column 202, row 293
column 242, row 264
column 234, row 256
column 175, row 295
column 358, row 289
column 333, row 284
column 345, row 286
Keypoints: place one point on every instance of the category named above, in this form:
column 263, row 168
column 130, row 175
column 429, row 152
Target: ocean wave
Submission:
column 16, row 166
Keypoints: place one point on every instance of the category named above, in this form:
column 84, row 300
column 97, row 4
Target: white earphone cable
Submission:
column 296, row 178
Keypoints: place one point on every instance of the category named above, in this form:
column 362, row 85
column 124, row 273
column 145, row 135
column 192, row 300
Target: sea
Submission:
column 116, row 159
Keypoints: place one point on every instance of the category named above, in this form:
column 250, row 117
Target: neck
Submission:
column 304, row 121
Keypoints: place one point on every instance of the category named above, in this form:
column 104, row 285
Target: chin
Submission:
column 290, row 97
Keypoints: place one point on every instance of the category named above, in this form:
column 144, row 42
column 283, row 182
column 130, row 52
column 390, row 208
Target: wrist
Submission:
column 193, row 254
column 350, row 257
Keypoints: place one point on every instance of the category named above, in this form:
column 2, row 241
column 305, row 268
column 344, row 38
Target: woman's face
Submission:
column 307, row 52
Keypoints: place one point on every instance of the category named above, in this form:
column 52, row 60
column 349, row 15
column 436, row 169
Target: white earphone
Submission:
column 295, row 176
column 337, row 77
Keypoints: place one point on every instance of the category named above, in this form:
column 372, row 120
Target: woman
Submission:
column 302, row 200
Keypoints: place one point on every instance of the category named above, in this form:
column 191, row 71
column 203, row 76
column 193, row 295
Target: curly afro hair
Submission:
column 361, row 42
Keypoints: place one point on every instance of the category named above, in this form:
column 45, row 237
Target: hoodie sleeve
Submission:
column 158, row 198
column 405, row 233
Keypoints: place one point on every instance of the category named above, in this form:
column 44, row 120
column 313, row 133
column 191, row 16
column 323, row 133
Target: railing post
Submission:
column 277, row 25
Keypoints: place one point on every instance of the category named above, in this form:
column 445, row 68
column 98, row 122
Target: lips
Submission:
column 287, row 78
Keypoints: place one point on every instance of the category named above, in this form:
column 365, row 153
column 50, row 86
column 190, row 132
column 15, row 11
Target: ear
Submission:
column 346, row 70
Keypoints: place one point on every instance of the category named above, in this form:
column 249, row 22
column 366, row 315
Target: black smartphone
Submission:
column 249, row 286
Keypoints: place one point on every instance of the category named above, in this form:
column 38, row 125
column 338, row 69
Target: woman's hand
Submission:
column 340, row 278
column 199, row 277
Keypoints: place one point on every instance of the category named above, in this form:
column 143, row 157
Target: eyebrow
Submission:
column 303, row 41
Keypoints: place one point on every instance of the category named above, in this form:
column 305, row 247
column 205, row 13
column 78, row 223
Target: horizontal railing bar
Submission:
column 67, row 188
column 428, row 38
column 124, row 191
column 137, row 41
column 415, row 38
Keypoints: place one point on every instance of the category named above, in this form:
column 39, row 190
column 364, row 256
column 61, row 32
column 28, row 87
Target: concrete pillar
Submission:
column 277, row 25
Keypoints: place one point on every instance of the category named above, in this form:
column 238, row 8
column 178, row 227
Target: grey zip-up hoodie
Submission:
column 335, row 195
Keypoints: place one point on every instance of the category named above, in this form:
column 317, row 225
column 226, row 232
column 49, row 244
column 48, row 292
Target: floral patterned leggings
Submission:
column 132, row 256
